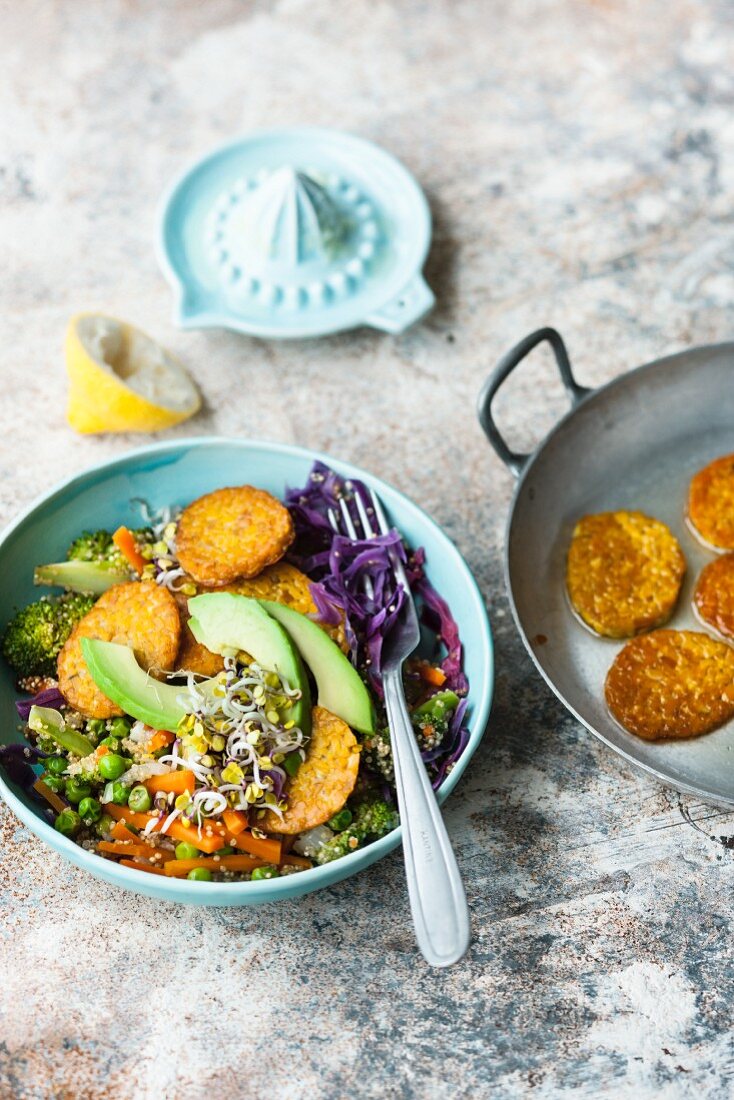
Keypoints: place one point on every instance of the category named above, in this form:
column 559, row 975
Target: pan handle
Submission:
column 517, row 462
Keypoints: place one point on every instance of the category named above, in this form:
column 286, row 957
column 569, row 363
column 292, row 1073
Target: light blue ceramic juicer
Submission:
column 295, row 233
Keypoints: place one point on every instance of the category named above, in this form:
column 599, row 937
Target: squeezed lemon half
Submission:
column 122, row 381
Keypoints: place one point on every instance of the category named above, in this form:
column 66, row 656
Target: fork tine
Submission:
column 364, row 517
column 379, row 514
column 348, row 521
column 352, row 532
column 334, row 521
column 385, row 530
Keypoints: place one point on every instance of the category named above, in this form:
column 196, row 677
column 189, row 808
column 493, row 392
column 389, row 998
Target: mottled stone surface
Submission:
column 579, row 160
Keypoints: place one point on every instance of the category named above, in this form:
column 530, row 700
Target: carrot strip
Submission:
column 121, row 832
column 214, row 830
column 51, row 797
column 235, row 821
column 159, row 740
column 179, row 868
column 190, row 833
column 147, row 867
column 432, row 675
column 174, row 870
column 125, row 543
column 239, row 862
column 126, row 848
column 207, row 842
column 124, row 813
column 270, row 850
column 179, row 782
column 290, row 860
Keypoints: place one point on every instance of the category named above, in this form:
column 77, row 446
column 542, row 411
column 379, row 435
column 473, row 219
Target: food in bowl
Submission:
column 217, row 714
column 624, row 572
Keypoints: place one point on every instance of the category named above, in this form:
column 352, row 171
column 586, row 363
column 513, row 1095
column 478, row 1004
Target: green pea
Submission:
column 54, row 783
column 111, row 743
column 184, row 850
column 120, row 727
column 104, row 826
column 77, row 788
column 57, row 765
column 96, row 725
column 90, row 810
column 269, row 871
column 117, row 793
column 340, row 820
column 111, row 766
column 200, row 874
column 139, row 799
column 68, row 823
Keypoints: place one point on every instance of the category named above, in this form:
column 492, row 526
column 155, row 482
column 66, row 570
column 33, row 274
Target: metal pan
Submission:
column 634, row 443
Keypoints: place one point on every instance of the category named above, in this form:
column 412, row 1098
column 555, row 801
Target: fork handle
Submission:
column 437, row 898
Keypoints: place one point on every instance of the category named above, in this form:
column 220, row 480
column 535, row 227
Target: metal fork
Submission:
column 437, row 898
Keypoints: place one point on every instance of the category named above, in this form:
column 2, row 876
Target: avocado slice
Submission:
column 116, row 672
column 92, row 577
column 226, row 623
column 340, row 688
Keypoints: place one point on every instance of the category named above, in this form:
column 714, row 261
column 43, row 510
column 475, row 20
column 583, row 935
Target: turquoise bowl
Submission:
column 175, row 473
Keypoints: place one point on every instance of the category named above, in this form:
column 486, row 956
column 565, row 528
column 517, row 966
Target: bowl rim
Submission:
column 480, row 696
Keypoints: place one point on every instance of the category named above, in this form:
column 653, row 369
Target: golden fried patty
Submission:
column 232, row 533
column 324, row 780
column 713, row 598
column 139, row 614
column 672, row 684
column 624, row 572
column 711, row 503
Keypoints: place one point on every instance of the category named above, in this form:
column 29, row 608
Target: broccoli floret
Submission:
column 36, row 633
column 94, row 546
column 375, row 818
column 98, row 546
column 372, row 820
column 340, row 845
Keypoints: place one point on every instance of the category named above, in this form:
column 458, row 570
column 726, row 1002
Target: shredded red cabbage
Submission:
column 456, row 741
column 278, row 777
column 437, row 615
column 49, row 697
column 338, row 566
column 17, row 759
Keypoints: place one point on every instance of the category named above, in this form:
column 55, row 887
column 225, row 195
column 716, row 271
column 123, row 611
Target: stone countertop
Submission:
column 578, row 156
